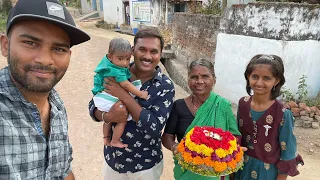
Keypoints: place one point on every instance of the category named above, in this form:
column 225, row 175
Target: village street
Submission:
column 86, row 135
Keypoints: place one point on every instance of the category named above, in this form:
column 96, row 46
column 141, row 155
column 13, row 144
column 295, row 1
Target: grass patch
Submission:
column 3, row 23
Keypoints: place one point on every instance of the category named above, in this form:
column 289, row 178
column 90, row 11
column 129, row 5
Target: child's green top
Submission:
column 107, row 69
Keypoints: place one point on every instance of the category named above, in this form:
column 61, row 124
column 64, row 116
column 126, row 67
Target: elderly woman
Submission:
column 202, row 108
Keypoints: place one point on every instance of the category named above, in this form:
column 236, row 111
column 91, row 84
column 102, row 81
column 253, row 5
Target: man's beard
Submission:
column 35, row 84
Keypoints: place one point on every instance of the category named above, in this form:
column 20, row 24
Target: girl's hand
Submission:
column 244, row 149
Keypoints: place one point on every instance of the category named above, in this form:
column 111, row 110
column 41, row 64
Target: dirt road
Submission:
column 86, row 135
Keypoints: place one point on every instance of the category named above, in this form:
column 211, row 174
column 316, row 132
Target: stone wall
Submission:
column 279, row 21
column 194, row 36
column 288, row 30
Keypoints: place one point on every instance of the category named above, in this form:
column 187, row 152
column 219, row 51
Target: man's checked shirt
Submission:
column 25, row 152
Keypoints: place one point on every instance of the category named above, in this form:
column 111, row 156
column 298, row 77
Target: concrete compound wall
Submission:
column 281, row 21
column 235, row 51
column 290, row 31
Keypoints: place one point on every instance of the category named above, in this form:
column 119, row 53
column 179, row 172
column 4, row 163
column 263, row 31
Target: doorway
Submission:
column 126, row 12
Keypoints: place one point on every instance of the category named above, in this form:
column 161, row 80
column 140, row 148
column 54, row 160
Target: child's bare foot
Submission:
column 107, row 141
column 118, row 144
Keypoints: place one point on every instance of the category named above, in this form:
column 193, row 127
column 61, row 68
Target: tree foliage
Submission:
column 210, row 7
column 5, row 6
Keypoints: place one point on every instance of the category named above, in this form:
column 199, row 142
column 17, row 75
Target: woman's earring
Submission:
column 274, row 88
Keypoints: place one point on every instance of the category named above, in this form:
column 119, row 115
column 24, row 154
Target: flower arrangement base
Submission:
column 209, row 151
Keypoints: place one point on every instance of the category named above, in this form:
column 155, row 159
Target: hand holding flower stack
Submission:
column 209, row 151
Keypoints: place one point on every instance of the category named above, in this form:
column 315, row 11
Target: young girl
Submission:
column 266, row 126
column 115, row 65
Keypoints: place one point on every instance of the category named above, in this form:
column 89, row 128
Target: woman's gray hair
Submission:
column 202, row 62
column 119, row 45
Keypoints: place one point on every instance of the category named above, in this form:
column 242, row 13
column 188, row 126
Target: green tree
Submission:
column 5, row 6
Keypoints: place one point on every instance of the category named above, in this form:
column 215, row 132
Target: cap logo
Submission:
column 55, row 9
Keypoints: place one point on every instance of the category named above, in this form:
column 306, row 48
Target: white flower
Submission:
column 153, row 126
column 118, row 166
column 137, row 155
column 129, row 135
column 139, row 124
column 164, row 92
column 107, row 157
column 147, row 136
column 118, row 153
column 161, row 119
column 138, row 166
column 152, row 141
column 157, row 84
column 129, row 160
column 147, row 160
column 154, row 153
column 137, row 144
column 167, row 103
column 156, row 107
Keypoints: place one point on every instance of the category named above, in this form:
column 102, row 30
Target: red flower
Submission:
column 203, row 135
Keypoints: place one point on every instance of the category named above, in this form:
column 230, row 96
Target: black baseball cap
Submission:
column 48, row 10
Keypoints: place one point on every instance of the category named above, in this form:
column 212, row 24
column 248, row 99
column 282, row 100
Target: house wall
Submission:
column 158, row 11
column 113, row 11
column 288, row 30
column 85, row 6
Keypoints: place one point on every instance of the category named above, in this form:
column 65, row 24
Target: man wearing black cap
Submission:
column 34, row 141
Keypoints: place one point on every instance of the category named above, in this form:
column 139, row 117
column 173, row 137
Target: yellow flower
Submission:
column 233, row 145
column 221, row 153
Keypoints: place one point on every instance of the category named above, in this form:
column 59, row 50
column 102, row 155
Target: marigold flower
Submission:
column 220, row 166
column 203, row 149
column 232, row 164
column 197, row 160
column 221, row 153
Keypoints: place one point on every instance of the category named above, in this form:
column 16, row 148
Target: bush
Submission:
column 5, row 6
column 3, row 23
column 209, row 7
column 301, row 94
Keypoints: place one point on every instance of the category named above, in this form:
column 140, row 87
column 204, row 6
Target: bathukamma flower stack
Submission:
column 209, row 151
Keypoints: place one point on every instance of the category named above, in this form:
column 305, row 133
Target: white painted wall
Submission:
column 157, row 15
column 233, row 53
column 85, row 6
column 113, row 11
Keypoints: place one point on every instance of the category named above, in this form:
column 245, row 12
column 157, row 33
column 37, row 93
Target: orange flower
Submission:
column 232, row 164
column 208, row 162
column 239, row 156
column 187, row 157
column 180, row 147
column 220, row 166
column 197, row 160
